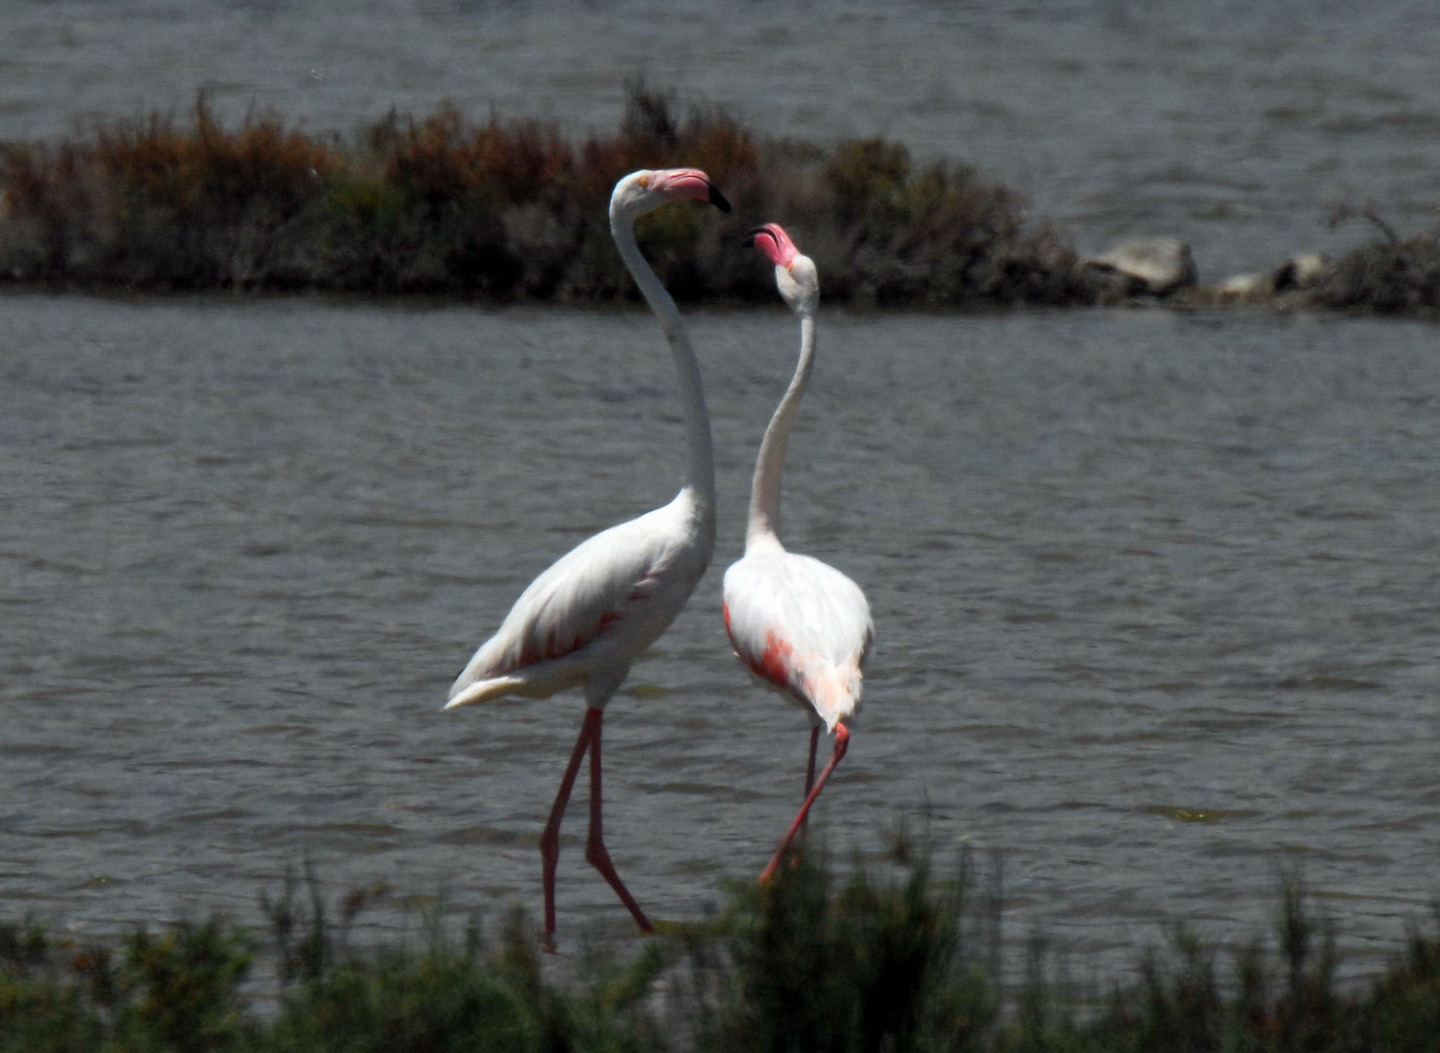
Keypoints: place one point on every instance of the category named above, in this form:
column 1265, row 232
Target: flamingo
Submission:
column 802, row 627
column 583, row 621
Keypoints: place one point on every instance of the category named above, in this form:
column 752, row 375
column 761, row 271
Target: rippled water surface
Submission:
column 1235, row 126
column 1156, row 593
column 1156, row 597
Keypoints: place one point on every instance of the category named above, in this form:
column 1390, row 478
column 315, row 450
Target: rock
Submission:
column 1301, row 271
column 1157, row 266
column 1246, row 287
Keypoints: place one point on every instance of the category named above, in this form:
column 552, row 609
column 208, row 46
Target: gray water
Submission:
column 1236, row 126
column 1156, row 598
column 1156, row 593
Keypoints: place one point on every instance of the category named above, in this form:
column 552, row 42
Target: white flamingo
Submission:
column 800, row 625
column 598, row 608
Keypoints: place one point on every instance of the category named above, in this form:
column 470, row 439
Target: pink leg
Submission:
column 842, row 743
column 550, row 839
column 595, row 852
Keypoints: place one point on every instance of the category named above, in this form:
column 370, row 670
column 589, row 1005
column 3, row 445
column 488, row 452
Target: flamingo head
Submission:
column 645, row 190
column 795, row 274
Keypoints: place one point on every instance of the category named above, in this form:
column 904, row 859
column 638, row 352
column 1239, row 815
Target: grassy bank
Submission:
column 816, row 962
column 505, row 210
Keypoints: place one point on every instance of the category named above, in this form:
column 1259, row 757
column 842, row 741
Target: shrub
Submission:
column 874, row 965
column 1390, row 276
column 505, row 210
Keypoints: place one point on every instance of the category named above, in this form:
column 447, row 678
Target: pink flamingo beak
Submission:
column 691, row 183
column 772, row 240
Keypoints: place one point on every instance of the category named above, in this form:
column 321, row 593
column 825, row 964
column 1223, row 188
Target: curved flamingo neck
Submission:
column 764, row 525
column 700, row 468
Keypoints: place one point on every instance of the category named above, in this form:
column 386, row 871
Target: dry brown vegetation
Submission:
column 1394, row 275
column 506, row 210
column 511, row 210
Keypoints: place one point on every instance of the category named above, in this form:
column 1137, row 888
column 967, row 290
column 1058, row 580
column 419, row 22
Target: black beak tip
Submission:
column 718, row 199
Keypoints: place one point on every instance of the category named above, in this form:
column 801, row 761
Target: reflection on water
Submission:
column 1156, row 602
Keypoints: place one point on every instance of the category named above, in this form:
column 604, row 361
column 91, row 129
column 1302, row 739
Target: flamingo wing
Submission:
column 602, row 603
column 802, row 627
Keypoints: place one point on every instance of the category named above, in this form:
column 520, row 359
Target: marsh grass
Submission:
column 887, row 957
column 177, row 990
column 505, row 210
column 876, row 962
column 145, row 203
column 1401, row 278
column 1393, row 275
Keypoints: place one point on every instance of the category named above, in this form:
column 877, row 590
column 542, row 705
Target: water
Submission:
column 1156, row 597
column 1156, row 593
column 1235, row 126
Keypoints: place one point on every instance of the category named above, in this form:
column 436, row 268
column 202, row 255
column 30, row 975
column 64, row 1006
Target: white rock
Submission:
column 1157, row 266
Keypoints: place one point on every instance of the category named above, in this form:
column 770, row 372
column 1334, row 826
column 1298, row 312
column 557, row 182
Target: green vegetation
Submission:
column 505, row 210
column 898, row 962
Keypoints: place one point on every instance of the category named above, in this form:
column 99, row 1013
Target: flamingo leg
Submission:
column 550, row 838
column 595, row 852
column 842, row 743
column 810, row 767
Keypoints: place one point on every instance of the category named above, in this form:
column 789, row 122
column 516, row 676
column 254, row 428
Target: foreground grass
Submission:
column 816, row 962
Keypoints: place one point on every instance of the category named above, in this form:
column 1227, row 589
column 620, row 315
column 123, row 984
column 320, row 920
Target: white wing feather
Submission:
column 592, row 612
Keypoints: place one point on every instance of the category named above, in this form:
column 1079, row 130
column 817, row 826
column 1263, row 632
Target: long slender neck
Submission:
column 700, row 468
column 764, row 525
